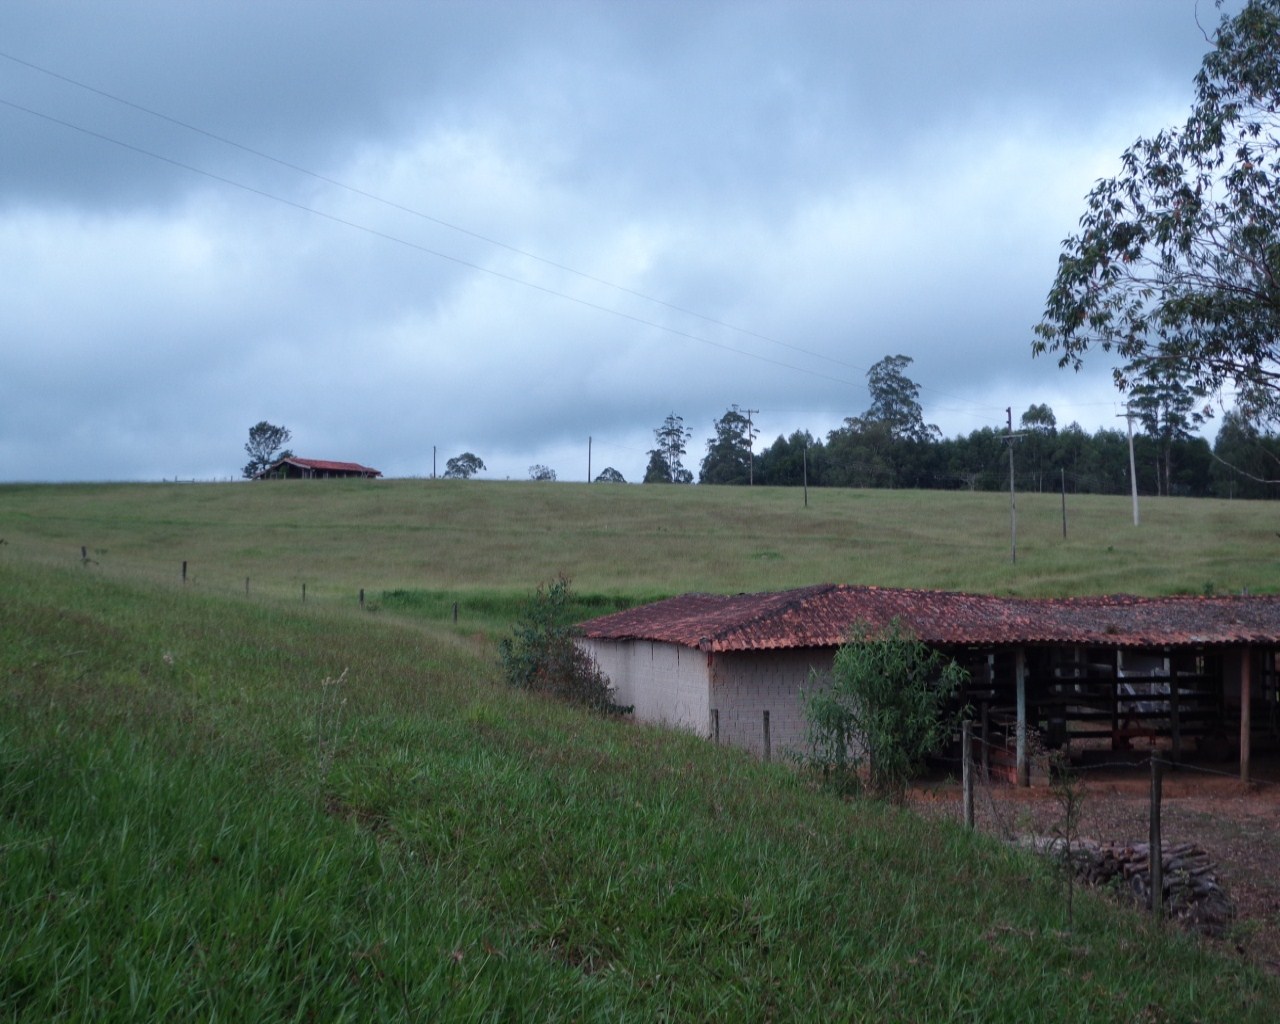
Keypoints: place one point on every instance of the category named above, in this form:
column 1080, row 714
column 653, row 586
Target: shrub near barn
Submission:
column 541, row 656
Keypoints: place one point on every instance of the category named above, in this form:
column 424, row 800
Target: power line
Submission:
column 392, row 204
column 387, row 236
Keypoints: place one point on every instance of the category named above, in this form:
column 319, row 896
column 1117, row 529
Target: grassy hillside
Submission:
column 467, row 539
column 218, row 808
column 220, row 805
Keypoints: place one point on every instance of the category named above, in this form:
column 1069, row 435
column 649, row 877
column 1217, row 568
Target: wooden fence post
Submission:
column 1155, row 857
column 966, row 770
column 767, row 750
column 184, row 570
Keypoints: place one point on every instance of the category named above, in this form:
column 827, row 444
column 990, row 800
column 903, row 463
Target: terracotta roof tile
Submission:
column 820, row 616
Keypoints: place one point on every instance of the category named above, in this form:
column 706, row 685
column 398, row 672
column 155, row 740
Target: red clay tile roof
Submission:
column 820, row 616
column 324, row 466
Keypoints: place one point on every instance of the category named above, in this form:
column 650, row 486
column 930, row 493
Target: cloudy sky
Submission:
column 507, row 227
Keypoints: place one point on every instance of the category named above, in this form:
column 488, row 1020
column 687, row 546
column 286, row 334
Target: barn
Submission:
column 1185, row 674
column 293, row 468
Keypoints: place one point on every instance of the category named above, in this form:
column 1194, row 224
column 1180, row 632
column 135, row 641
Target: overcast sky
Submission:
column 507, row 228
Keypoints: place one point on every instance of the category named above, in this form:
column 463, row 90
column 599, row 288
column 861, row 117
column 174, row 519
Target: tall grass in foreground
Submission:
column 189, row 830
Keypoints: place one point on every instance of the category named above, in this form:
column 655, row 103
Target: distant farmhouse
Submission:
column 1113, row 672
column 293, row 468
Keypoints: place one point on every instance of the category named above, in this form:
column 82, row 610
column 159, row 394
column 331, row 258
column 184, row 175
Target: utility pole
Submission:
column 1133, row 469
column 751, row 456
column 588, row 458
column 433, row 462
column 1013, row 501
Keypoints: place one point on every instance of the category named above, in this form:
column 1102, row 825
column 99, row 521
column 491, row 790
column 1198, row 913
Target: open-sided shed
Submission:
column 1178, row 671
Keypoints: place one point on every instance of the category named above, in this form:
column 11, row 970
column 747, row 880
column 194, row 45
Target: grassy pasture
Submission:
column 460, row 539
column 221, row 808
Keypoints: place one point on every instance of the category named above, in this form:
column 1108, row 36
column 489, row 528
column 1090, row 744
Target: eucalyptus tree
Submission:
column 666, row 465
column 1177, row 259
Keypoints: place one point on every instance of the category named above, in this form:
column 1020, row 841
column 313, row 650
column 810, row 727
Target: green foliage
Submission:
column 463, row 467
column 791, row 461
column 609, row 475
column 728, row 458
column 1246, row 460
column 264, row 447
column 1176, row 259
column 541, row 656
column 665, row 458
column 884, row 710
column 895, row 401
column 477, row 856
column 540, row 472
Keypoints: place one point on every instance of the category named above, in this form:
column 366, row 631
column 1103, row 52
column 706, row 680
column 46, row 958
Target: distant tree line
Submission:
column 890, row 445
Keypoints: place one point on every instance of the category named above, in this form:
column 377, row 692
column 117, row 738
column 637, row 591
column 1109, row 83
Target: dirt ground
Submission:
column 1203, row 803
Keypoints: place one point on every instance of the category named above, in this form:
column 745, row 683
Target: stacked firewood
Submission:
column 1191, row 893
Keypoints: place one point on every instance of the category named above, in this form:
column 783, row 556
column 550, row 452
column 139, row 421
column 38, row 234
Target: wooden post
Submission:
column 84, row 554
column 362, row 597
column 184, row 571
column 966, row 770
column 1246, row 712
column 715, row 725
column 1175, row 712
column 986, row 742
column 805, row 464
column 246, row 586
column 304, row 593
column 1020, row 668
column 588, row 458
column 455, row 613
column 767, row 750
column 1156, row 852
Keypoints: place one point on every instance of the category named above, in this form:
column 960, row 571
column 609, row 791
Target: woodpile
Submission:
column 1191, row 893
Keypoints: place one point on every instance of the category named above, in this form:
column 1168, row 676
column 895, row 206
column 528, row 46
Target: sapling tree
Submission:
column 885, row 709
column 540, row 655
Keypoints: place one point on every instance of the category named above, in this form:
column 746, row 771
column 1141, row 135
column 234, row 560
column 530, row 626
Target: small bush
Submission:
column 541, row 656
column 883, row 711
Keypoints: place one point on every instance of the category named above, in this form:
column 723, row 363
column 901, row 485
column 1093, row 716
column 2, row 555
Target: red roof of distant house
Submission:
column 324, row 466
column 821, row 616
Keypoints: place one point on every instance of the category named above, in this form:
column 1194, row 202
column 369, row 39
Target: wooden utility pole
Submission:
column 588, row 458
column 805, row 464
column 751, row 455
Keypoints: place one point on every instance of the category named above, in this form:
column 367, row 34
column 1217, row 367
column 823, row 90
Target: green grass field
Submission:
column 221, row 806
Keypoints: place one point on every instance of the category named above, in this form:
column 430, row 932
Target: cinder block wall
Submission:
column 666, row 683
column 746, row 685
